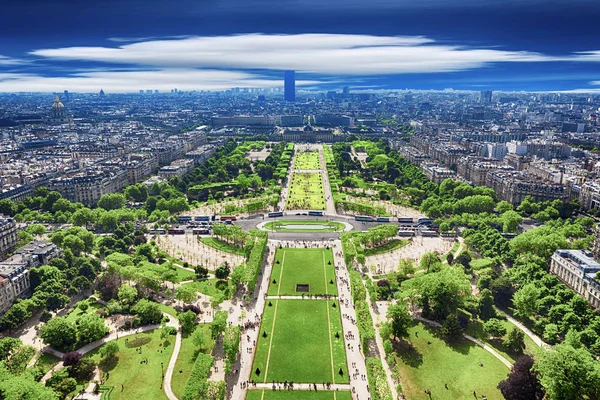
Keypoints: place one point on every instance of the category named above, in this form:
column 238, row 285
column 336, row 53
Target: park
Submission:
column 306, row 192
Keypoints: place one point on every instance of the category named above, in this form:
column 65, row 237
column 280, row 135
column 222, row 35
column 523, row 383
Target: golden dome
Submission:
column 57, row 103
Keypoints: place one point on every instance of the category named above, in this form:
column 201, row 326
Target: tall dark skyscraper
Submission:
column 289, row 86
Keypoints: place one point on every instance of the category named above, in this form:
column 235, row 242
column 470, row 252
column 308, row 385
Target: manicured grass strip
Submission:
column 140, row 380
column 386, row 248
column 184, row 274
column 298, row 395
column 187, row 358
column 287, row 226
column 303, row 266
column 429, row 366
column 338, row 344
column 300, row 345
column 220, row 245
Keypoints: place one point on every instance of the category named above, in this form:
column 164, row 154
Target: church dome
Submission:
column 57, row 103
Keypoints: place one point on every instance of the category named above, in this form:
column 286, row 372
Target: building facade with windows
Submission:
column 577, row 269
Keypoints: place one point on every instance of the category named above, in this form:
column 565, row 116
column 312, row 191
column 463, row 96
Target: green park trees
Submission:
column 400, row 319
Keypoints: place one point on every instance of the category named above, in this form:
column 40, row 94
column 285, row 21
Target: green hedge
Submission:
column 255, row 259
column 197, row 387
column 231, row 346
column 379, row 388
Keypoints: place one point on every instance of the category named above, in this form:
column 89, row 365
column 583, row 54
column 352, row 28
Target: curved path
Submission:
column 171, row 367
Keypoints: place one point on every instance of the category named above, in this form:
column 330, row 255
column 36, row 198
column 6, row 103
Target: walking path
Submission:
column 379, row 341
column 357, row 368
column 329, row 203
column 250, row 336
column 536, row 339
column 472, row 339
column 171, row 366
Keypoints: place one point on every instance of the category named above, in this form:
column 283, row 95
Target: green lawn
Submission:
column 429, row 366
column 297, row 395
column 186, row 359
column 302, row 266
column 307, row 160
column 184, row 274
column 306, row 192
column 76, row 312
column 140, row 381
column 207, row 286
column 220, row 245
column 392, row 245
column 46, row 362
column 475, row 329
column 284, row 226
column 299, row 343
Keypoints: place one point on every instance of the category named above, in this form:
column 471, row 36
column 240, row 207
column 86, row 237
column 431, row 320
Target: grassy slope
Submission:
column 458, row 365
column 140, row 381
column 222, row 246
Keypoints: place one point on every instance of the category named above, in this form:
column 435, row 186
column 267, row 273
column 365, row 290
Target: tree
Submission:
column 127, row 295
column 71, row 358
column 515, row 341
column 83, row 370
column 83, row 217
column 186, row 294
column 430, row 262
column 149, row 312
column 73, row 243
column 112, row 201
column 522, row 382
column 568, row 373
column 219, row 323
column 108, row 286
column 198, row 338
column 187, row 321
column 109, row 350
column 201, row 272
column 400, row 318
column 525, row 300
column 90, row 327
column 59, row 333
column 494, row 328
column 222, row 272
column 451, row 328
column 486, row 305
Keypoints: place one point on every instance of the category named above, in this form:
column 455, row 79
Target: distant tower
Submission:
column 289, row 86
column 101, row 93
column 485, row 97
column 66, row 95
column 346, row 90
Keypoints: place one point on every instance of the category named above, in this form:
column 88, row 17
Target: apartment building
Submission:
column 577, row 269
column 514, row 186
column 8, row 236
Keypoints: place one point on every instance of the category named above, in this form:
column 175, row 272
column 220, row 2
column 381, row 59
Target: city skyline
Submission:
column 127, row 46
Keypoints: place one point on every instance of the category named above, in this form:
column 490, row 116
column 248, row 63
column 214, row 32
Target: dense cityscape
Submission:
column 144, row 238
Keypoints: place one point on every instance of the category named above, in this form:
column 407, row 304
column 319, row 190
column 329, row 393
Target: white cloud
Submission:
column 132, row 81
column 329, row 54
column 7, row 61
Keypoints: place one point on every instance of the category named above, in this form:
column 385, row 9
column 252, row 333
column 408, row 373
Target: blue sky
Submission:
column 127, row 45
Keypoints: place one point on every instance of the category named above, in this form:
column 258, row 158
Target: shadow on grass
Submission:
column 108, row 364
column 459, row 345
column 407, row 353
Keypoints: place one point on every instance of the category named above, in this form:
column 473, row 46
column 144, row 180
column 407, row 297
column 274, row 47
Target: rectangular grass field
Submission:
column 298, row 395
column 300, row 343
column 314, row 267
column 306, row 192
